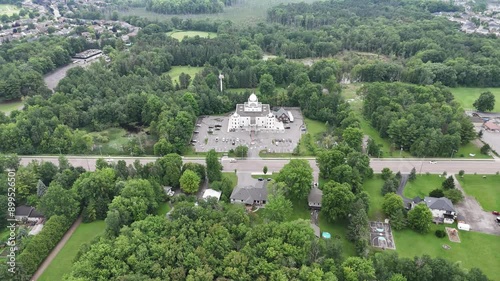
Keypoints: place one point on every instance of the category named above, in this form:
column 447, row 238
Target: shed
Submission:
column 211, row 193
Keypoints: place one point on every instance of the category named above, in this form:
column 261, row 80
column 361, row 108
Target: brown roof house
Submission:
column 491, row 126
column 250, row 195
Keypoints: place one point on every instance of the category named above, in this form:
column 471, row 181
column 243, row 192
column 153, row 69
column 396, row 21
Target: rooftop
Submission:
column 249, row 194
column 442, row 203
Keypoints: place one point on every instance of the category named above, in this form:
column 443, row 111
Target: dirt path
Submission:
column 56, row 250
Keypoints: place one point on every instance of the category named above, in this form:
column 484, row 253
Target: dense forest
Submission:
column 422, row 119
column 187, row 6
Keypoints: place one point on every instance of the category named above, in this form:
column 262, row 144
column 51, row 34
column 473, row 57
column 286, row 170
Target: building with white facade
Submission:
column 254, row 116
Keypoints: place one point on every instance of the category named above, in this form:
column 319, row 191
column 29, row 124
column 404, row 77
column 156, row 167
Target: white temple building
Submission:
column 254, row 116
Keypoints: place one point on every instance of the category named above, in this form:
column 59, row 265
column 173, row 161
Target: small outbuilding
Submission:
column 314, row 198
column 211, row 193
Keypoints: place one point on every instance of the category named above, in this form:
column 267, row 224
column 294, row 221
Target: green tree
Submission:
column 358, row 269
column 264, row 170
column 438, row 193
column 298, row 178
column 59, row 201
column 278, row 208
column 420, row 218
column 190, row 181
column 372, row 148
column 485, row 149
column 336, row 201
column 163, row 147
column 454, row 195
column 214, row 167
column 353, row 137
column 386, row 173
column 413, row 174
column 241, row 151
column 171, row 166
column 485, row 102
column 267, row 85
column 461, row 173
column 392, row 203
column 397, row 277
column 448, row 183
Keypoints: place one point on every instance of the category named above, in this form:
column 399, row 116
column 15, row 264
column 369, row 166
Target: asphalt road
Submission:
column 274, row 165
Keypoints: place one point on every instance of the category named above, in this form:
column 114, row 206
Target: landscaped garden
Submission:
column 63, row 262
column 486, row 190
column 423, row 185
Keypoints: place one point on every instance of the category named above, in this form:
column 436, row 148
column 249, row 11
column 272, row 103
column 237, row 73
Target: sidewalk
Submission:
column 56, row 249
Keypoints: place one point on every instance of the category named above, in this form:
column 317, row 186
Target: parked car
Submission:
column 433, row 162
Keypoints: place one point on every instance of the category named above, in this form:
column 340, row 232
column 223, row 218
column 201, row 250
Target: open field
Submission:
column 179, row 35
column 374, row 188
column 177, row 70
column 476, row 250
column 467, row 96
column 485, row 190
column 248, row 12
column 315, row 129
column 63, row 262
column 465, row 150
column 113, row 141
column 423, row 185
column 8, row 10
column 7, row 107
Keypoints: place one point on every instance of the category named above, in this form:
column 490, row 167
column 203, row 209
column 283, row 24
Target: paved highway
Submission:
column 274, row 165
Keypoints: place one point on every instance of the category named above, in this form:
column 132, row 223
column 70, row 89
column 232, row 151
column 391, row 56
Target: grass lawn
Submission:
column 273, row 176
column 338, row 230
column 485, row 190
column 7, row 107
column 63, row 262
column 315, row 130
column 177, row 70
column 468, row 149
column 467, row 96
column 163, row 209
column 423, row 185
column 179, row 35
column 8, row 10
column 242, row 13
column 374, row 188
column 475, row 250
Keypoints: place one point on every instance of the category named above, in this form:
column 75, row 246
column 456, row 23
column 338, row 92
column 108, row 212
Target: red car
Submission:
column 496, row 213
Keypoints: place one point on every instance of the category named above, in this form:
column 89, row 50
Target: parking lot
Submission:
column 212, row 133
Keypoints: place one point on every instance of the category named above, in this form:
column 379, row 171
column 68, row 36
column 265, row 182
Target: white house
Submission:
column 254, row 116
column 211, row 193
column 442, row 209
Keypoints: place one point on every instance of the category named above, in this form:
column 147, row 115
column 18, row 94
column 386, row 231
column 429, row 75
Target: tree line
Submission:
column 187, row 6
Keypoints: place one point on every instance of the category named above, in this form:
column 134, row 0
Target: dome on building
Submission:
column 235, row 114
column 252, row 98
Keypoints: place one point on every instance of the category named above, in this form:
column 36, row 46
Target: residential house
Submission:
column 27, row 213
column 250, row 195
column 442, row 209
column 314, row 198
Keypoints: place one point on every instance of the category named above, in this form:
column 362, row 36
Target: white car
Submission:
column 433, row 162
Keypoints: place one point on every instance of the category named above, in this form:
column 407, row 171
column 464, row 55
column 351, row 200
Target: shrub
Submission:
column 440, row 233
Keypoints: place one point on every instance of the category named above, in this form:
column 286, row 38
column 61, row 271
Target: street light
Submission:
column 452, row 152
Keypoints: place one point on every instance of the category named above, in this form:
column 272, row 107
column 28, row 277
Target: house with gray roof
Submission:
column 27, row 213
column 442, row 209
column 283, row 115
column 314, row 198
column 255, row 195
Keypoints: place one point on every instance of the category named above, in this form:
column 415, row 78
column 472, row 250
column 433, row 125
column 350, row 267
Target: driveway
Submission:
column 478, row 219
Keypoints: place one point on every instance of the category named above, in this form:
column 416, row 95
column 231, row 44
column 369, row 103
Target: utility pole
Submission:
column 221, row 77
